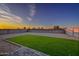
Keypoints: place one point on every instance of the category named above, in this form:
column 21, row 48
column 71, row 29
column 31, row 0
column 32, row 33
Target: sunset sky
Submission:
column 17, row 15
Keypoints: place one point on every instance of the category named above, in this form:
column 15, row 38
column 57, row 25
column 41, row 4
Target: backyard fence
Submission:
column 73, row 31
column 10, row 31
column 47, row 31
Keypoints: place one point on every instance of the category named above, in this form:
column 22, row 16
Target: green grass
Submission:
column 49, row 45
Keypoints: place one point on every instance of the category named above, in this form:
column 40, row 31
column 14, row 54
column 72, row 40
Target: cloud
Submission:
column 6, row 14
column 18, row 19
column 4, row 7
column 32, row 11
column 29, row 18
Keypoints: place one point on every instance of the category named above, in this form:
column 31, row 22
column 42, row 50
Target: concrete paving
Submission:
column 56, row 35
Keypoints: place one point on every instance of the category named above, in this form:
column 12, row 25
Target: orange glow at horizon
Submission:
column 9, row 25
column 75, row 29
column 6, row 25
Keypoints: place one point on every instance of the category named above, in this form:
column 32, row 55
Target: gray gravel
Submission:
column 6, row 48
column 25, row 51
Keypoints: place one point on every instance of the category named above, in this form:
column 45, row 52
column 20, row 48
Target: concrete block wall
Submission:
column 9, row 31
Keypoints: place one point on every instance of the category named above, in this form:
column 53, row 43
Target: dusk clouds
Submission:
column 7, row 16
column 44, row 14
column 32, row 11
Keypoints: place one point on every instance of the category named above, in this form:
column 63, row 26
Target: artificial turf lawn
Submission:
column 49, row 45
